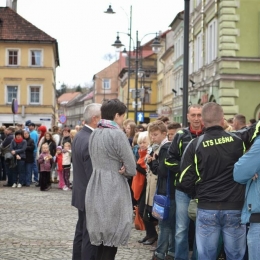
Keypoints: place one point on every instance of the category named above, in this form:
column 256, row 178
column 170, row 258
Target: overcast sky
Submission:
column 85, row 34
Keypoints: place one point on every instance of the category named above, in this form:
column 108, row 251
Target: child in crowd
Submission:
column 135, row 146
column 165, row 247
column 45, row 163
column 66, row 164
column 172, row 129
column 58, row 160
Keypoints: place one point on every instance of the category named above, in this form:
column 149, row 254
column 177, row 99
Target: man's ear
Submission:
column 222, row 122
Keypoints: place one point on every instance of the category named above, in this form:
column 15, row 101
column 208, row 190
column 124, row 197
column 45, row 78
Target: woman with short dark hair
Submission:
column 108, row 200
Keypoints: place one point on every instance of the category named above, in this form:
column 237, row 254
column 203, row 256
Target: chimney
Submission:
column 15, row 5
column 12, row 4
column 9, row 3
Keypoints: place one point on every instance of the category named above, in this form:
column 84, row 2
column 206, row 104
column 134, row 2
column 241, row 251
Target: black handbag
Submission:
column 161, row 203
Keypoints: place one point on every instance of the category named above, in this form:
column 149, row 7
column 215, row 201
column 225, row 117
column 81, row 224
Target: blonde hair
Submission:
column 142, row 136
column 45, row 145
column 73, row 132
column 67, row 143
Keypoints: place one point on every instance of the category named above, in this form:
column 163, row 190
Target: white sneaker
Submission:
column 19, row 185
column 65, row 188
column 14, row 185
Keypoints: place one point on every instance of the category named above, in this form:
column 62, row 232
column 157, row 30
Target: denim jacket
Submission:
column 244, row 170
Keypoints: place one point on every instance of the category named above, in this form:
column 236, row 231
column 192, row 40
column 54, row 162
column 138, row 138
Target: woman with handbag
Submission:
column 108, row 203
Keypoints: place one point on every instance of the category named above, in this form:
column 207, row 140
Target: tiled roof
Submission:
column 14, row 27
column 88, row 96
column 66, row 97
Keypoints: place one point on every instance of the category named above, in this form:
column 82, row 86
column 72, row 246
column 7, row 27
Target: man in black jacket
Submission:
column 82, row 170
column 207, row 171
column 6, row 148
column 175, row 152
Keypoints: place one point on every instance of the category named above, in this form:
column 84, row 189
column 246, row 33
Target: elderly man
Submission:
column 207, row 172
column 82, row 170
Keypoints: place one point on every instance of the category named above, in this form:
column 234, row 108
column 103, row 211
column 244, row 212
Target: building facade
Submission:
column 106, row 83
column 28, row 61
column 225, row 55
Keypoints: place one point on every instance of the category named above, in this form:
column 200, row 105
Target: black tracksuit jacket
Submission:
column 207, row 170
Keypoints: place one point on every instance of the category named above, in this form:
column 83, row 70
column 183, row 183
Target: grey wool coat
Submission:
column 108, row 201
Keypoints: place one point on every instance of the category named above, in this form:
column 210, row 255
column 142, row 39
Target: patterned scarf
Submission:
column 103, row 123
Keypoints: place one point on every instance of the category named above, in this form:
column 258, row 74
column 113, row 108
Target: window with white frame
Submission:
column 11, row 93
column 36, row 58
column 35, row 94
column 106, row 83
column 178, row 47
column 211, row 38
column 147, row 95
column 198, row 52
column 12, row 57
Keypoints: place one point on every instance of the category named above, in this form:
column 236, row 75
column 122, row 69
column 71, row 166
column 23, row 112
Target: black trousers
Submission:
column 106, row 252
column 82, row 248
column 44, row 180
column 149, row 224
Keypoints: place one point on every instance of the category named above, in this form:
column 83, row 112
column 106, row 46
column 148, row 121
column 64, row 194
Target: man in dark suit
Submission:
column 82, row 170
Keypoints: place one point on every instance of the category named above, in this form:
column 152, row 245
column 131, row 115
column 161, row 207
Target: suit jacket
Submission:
column 82, row 167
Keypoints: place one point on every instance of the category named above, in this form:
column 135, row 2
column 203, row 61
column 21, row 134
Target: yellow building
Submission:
column 28, row 61
column 146, row 85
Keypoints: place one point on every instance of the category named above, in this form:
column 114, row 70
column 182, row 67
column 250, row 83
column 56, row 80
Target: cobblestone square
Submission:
column 40, row 225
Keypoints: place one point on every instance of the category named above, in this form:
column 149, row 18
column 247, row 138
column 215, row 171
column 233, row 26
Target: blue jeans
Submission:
column 253, row 238
column 28, row 173
column 19, row 172
column 182, row 227
column 209, row 226
column 35, row 168
column 166, row 241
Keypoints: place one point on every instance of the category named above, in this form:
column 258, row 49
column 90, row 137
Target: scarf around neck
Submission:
column 18, row 141
column 103, row 123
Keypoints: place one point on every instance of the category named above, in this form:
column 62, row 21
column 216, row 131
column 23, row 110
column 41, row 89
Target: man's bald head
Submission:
column 212, row 114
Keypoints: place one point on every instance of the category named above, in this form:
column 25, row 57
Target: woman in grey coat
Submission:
column 108, row 199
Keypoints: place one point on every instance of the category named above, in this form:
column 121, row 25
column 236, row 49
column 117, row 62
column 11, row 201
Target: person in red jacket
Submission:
column 58, row 160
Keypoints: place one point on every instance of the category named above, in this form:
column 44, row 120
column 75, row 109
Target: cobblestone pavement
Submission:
column 40, row 225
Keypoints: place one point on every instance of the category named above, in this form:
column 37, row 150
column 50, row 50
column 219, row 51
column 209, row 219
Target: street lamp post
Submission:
column 156, row 46
column 110, row 11
column 185, row 63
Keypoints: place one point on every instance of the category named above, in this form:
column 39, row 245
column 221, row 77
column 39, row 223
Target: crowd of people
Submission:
column 33, row 155
column 119, row 165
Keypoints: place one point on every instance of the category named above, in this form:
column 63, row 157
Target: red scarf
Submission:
column 139, row 179
column 196, row 132
column 18, row 141
column 142, row 155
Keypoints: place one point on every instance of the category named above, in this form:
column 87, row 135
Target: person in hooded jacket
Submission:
column 18, row 147
column 29, row 160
